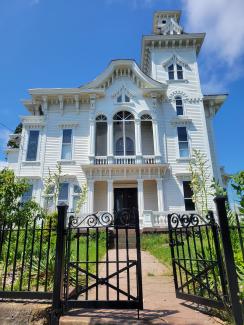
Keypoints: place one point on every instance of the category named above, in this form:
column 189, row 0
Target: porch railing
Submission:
column 124, row 160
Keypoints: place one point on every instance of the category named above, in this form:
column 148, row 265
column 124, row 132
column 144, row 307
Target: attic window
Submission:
column 123, row 99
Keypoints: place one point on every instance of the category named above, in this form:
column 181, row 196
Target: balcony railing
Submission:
column 125, row 160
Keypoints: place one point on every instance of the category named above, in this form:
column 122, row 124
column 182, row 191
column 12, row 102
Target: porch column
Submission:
column 140, row 197
column 160, row 194
column 110, row 141
column 110, row 196
column 157, row 152
column 138, row 140
column 90, row 196
column 92, row 141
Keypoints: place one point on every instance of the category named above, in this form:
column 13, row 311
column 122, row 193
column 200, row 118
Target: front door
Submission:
column 125, row 198
column 125, row 202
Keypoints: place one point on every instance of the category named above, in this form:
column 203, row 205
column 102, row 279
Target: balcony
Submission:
column 126, row 160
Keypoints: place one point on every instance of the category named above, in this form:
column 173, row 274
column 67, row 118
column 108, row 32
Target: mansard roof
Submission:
column 124, row 68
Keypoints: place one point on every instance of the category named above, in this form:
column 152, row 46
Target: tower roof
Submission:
column 162, row 18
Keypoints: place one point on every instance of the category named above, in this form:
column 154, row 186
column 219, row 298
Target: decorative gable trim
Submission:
column 123, row 90
column 175, row 59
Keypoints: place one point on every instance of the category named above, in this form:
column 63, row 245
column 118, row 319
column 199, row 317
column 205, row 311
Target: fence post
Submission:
column 59, row 263
column 229, row 260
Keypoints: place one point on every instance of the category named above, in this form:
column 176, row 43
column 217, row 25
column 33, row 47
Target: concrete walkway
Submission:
column 160, row 304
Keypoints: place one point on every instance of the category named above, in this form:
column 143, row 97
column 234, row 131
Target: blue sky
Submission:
column 65, row 43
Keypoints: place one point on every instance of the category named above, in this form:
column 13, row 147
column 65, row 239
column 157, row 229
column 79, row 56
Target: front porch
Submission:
column 145, row 194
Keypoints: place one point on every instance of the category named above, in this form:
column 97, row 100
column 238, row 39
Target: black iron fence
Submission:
column 27, row 255
column 207, row 258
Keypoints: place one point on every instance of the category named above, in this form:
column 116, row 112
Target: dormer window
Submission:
column 179, row 105
column 123, row 98
column 175, row 72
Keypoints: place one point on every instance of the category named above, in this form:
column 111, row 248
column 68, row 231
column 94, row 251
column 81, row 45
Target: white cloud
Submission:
column 223, row 50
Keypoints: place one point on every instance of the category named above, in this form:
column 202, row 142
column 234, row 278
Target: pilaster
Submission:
column 90, row 196
column 110, row 196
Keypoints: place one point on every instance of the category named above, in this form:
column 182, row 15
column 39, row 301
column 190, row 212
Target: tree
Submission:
column 12, row 143
column 237, row 183
column 200, row 181
column 12, row 208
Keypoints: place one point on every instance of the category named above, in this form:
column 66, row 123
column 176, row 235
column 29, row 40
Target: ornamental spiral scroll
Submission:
column 176, row 220
column 99, row 219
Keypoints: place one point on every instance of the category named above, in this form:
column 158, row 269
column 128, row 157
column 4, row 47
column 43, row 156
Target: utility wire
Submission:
column 6, row 127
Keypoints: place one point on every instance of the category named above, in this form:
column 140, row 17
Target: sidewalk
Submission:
column 160, row 304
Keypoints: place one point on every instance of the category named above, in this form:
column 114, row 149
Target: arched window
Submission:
column 101, row 135
column 179, row 105
column 124, row 134
column 147, row 135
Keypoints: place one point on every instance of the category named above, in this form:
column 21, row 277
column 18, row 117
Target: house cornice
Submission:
column 169, row 41
column 213, row 103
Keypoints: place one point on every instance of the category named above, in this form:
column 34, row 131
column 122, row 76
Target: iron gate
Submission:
column 103, row 261
column 198, row 269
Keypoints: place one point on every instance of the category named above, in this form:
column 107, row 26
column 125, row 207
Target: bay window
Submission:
column 189, row 204
column 63, row 195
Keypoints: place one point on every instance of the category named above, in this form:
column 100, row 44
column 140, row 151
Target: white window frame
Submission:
column 183, row 107
column 74, row 195
column 38, row 146
column 188, row 141
column 72, row 144
column 183, row 195
column 175, row 70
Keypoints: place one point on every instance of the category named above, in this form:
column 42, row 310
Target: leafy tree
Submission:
column 11, row 190
column 12, row 143
column 237, row 183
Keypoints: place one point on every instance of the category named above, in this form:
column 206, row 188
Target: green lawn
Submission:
column 158, row 246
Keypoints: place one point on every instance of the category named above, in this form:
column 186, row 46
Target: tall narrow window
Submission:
column 101, row 135
column 67, row 145
column 183, row 142
column 147, row 135
column 63, row 195
column 179, row 105
column 179, row 71
column 27, row 196
column 171, row 72
column 76, row 196
column 124, row 134
column 189, row 204
column 32, row 145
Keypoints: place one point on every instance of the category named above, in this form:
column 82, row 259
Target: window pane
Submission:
column 187, row 189
column 101, row 139
column 77, row 189
column 189, row 205
column 179, row 110
column 127, row 99
column 182, row 134
column 66, row 152
column 119, row 99
column 32, row 146
column 171, row 75
column 67, row 135
column 179, row 72
column 118, row 139
column 63, row 192
column 130, row 137
column 27, row 196
column 147, row 138
column 75, row 202
column 184, row 153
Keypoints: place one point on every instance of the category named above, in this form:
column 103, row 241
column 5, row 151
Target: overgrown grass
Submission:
column 158, row 246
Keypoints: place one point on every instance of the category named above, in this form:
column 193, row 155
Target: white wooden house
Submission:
column 129, row 133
